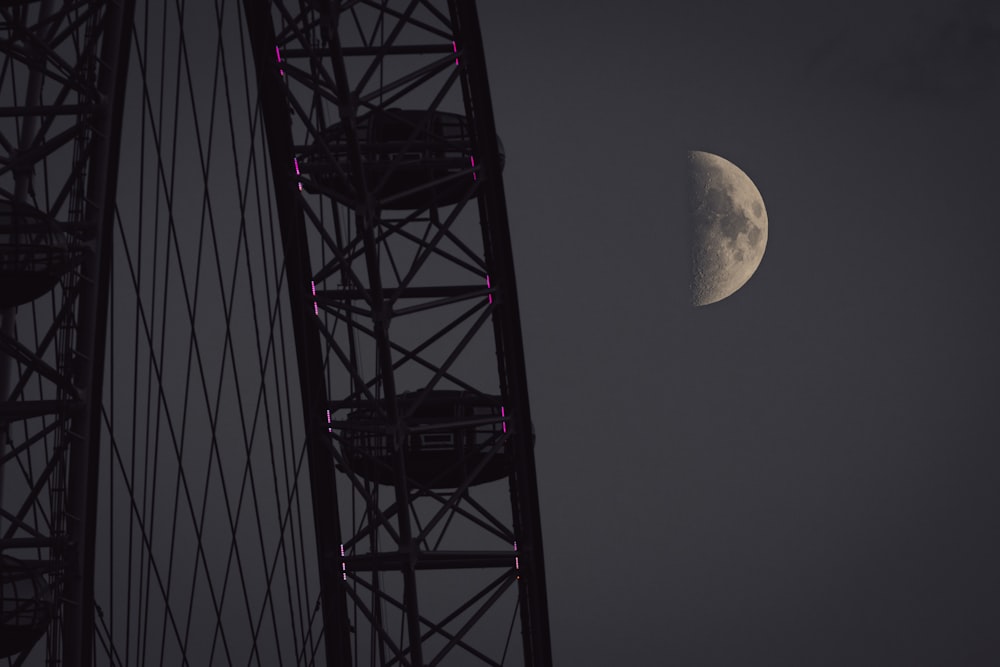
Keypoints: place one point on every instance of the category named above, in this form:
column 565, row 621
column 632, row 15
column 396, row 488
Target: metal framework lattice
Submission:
column 61, row 83
column 383, row 510
column 392, row 205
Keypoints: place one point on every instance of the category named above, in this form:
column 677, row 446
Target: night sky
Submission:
column 807, row 472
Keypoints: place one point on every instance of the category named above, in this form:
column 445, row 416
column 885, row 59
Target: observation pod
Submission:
column 26, row 605
column 31, row 259
column 449, row 436
column 412, row 158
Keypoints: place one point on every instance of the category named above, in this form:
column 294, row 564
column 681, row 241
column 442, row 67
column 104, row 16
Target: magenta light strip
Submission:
column 329, row 420
column 488, row 287
column 503, row 417
column 277, row 53
column 343, row 564
column 297, row 172
column 454, row 47
column 472, row 159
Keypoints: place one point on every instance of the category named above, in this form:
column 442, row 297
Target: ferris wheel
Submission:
column 263, row 397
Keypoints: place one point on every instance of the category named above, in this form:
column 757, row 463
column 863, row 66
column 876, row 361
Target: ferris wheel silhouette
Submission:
column 263, row 397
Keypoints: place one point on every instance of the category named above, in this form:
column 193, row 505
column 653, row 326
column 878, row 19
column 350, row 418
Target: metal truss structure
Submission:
column 337, row 162
column 61, row 92
column 399, row 259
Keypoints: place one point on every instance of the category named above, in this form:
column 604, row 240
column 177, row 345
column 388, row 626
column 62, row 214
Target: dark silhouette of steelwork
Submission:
column 387, row 177
column 61, row 87
column 383, row 510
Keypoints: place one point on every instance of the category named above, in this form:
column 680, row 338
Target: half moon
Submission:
column 729, row 225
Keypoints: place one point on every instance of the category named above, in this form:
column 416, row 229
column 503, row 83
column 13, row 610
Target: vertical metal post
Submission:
column 310, row 360
column 85, row 429
column 510, row 353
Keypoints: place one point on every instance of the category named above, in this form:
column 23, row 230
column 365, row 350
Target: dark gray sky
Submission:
column 808, row 472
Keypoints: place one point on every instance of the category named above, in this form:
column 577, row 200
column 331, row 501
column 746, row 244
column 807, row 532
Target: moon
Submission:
column 729, row 225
